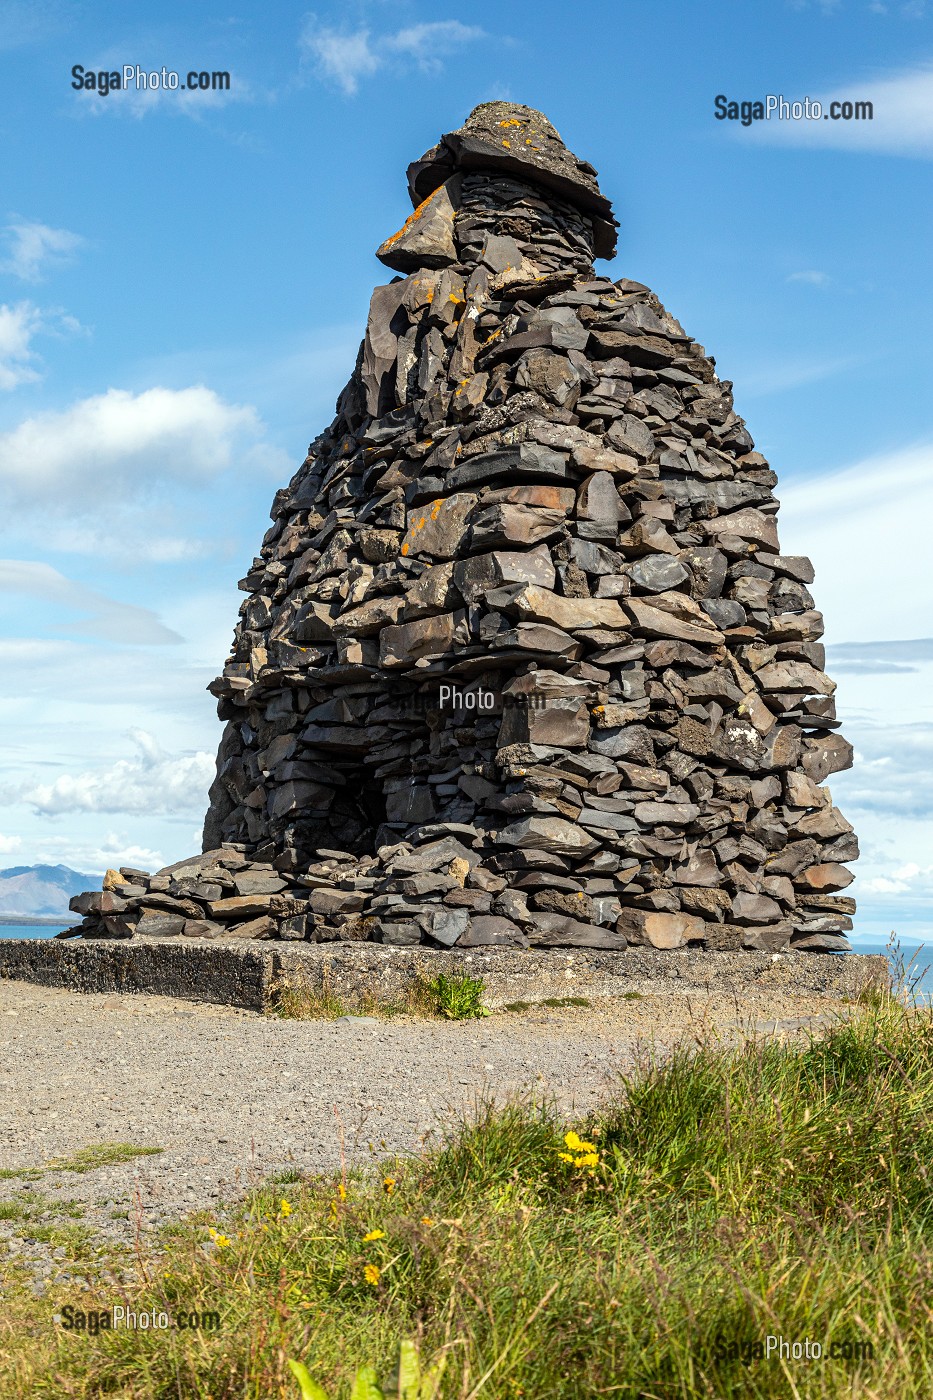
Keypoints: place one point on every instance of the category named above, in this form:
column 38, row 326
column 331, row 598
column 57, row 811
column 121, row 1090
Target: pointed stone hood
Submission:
column 508, row 138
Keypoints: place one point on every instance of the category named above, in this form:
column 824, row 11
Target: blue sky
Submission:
column 184, row 280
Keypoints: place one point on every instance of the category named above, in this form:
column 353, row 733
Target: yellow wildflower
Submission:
column 284, row 1208
column 341, row 1191
column 426, row 1220
column 374, row 1235
column 220, row 1240
column 388, row 1185
column 371, row 1274
column 576, row 1144
column 565, row 1156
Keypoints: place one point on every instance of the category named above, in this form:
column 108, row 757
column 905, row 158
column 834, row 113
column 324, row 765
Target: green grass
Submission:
column 296, row 1001
column 459, row 998
column 101, row 1154
column 299, row 1003
column 730, row 1194
column 76, row 1239
column 46, row 1221
column 86, row 1159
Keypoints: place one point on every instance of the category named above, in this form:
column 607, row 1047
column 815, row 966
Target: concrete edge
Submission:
column 248, row 976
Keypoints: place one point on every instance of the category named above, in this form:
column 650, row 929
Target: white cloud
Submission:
column 865, row 528
column 18, row 326
column 107, row 618
column 429, row 44
column 119, row 444
column 776, row 376
column 9, row 843
column 144, row 102
column 882, row 885
column 150, row 782
column 344, row 57
column 50, row 681
column 909, row 9
column 879, row 658
column 811, row 278
column 892, row 775
column 901, row 123
column 888, row 793
column 146, row 539
column 93, row 857
column 33, row 248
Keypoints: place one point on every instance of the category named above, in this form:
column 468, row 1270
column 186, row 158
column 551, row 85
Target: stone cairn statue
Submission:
column 520, row 662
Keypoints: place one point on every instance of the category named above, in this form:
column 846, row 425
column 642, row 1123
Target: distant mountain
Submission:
column 40, row 891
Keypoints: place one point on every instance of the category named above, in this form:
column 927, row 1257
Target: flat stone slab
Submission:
column 231, row 974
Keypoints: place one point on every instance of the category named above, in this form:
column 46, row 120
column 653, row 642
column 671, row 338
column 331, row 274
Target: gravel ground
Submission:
column 232, row 1096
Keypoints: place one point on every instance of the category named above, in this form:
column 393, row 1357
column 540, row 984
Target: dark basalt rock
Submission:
column 520, row 661
column 508, row 139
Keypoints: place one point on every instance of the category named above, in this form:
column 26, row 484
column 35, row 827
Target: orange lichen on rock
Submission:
column 410, row 221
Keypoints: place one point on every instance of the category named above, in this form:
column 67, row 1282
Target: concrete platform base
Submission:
column 247, row 975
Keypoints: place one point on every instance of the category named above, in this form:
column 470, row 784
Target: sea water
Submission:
column 32, row 930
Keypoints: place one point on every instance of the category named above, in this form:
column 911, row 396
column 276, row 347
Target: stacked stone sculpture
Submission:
column 521, row 661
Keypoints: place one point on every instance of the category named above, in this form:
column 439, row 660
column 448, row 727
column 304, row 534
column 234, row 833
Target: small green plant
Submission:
column 409, row 1382
column 565, row 1001
column 458, row 998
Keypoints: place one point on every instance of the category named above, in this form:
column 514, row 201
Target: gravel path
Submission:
column 232, row 1096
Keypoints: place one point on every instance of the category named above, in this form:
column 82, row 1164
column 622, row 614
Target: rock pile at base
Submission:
column 521, row 660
